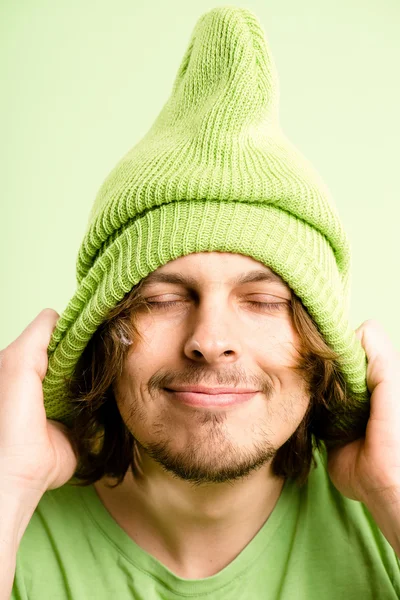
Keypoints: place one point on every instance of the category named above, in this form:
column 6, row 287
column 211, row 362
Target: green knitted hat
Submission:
column 214, row 173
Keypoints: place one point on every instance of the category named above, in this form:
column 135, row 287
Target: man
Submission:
column 227, row 245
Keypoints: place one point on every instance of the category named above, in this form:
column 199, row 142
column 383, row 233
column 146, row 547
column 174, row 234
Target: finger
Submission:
column 29, row 349
column 23, row 365
column 383, row 357
column 382, row 372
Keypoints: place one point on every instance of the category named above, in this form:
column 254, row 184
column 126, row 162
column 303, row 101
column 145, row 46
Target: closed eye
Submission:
column 261, row 305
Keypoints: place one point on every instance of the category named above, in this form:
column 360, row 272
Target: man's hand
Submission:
column 35, row 452
column 369, row 468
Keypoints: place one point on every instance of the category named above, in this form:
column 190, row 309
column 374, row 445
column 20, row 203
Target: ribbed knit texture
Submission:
column 214, row 173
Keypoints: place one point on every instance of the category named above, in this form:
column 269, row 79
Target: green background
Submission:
column 82, row 82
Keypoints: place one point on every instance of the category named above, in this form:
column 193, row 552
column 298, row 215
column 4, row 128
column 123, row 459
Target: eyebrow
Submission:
column 242, row 278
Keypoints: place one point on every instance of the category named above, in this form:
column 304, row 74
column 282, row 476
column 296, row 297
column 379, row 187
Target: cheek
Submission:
column 127, row 392
column 154, row 341
column 277, row 346
column 155, row 335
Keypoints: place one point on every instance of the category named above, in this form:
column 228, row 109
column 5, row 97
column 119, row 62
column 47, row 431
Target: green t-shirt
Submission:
column 316, row 544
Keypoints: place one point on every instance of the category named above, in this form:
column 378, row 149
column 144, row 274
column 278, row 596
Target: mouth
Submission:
column 210, row 400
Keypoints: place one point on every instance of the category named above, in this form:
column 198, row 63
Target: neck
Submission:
column 195, row 531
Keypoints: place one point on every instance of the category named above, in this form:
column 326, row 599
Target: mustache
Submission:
column 199, row 375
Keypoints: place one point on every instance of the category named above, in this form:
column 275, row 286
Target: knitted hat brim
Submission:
column 270, row 235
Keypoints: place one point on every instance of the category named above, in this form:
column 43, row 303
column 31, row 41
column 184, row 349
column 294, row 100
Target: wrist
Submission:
column 16, row 510
column 385, row 510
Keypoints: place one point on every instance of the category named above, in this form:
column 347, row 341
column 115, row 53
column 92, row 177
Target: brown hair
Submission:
column 104, row 445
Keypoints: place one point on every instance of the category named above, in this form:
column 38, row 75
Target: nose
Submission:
column 214, row 337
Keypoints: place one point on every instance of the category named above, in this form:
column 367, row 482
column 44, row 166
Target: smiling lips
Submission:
column 211, row 397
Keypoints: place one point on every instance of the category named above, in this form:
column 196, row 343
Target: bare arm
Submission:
column 386, row 514
column 15, row 514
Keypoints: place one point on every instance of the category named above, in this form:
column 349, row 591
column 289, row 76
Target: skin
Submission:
column 202, row 485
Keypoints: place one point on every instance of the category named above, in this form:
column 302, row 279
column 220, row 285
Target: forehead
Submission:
column 178, row 276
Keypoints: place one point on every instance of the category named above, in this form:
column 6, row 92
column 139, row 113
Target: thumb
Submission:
column 65, row 451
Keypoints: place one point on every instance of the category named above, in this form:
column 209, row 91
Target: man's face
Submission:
column 214, row 336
